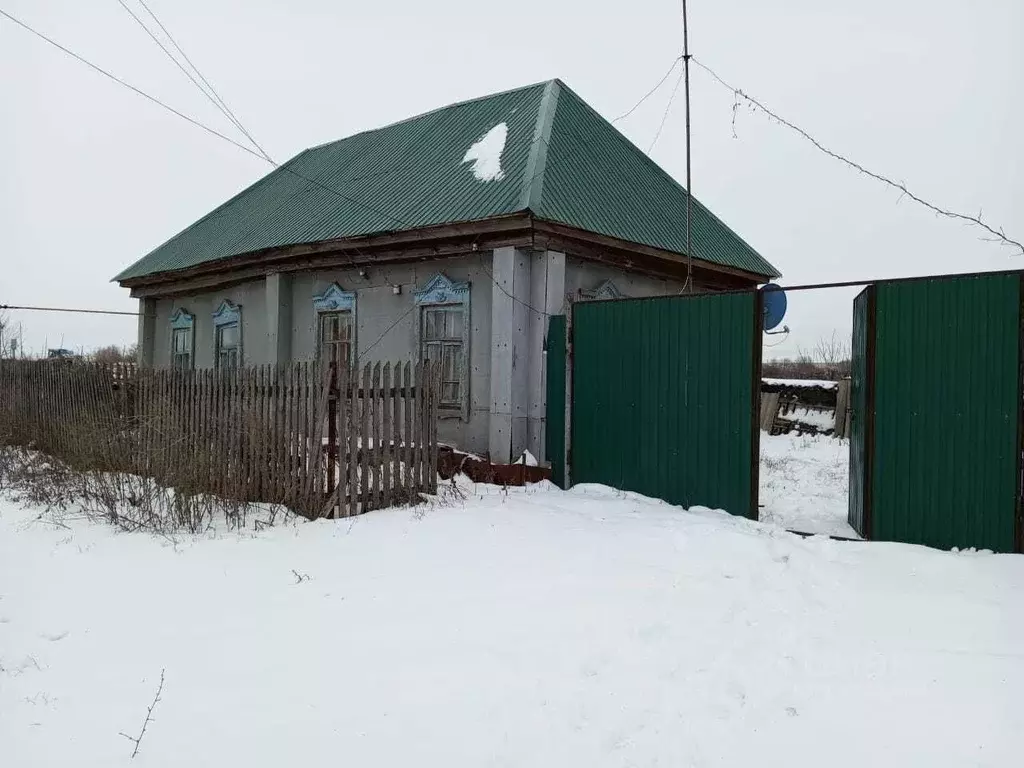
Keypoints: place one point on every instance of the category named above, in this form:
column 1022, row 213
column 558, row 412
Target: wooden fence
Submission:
column 324, row 442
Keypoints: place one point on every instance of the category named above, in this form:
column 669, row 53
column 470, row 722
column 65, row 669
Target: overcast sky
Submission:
column 927, row 91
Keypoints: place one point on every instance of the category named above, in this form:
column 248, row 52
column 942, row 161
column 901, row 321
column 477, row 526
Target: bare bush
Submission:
column 829, row 360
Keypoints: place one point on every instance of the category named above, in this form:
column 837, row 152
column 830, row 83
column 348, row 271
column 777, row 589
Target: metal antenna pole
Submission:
column 688, row 285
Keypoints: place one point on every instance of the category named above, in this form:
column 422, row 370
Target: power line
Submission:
column 664, row 117
column 181, row 66
column 280, row 167
column 127, row 85
column 67, row 309
column 283, row 167
column 650, row 93
column 996, row 235
column 212, row 95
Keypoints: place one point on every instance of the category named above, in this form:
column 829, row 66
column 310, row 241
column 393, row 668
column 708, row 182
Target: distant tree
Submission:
column 829, row 359
column 114, row 354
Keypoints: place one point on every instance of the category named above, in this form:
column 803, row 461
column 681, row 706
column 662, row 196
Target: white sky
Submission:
column 927, row 91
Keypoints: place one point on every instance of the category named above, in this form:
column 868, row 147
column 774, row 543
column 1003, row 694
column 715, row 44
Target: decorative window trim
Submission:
column 227, row 313
column 183, row 320
column 440, row 291
column 606, row 290
column 335, row 299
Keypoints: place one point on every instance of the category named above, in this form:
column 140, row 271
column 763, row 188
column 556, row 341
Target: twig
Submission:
column 997, row 234
column 149, row 717
column 300, row 577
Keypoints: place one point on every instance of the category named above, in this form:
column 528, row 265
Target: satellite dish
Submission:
column 774, row 302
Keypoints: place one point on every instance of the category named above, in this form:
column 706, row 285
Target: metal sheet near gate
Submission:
column 863, row 311
column 665, row 398
column 945, row 454
column 554, row 423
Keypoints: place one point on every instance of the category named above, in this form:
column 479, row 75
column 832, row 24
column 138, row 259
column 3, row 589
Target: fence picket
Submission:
column 255, row 434
column 364, row 440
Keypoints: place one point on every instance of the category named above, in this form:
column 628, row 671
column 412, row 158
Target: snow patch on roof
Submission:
column 485, row 154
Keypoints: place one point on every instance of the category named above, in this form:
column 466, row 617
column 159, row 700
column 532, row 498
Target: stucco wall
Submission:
column 251, row 297
column 386, row 325
column 588, row 275
column 506, row 413
column 379, row 308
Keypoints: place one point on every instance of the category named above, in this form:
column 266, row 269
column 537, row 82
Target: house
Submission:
column 453, row 235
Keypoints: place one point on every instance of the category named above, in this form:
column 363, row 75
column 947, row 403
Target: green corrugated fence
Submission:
column 939, row 419
column 665, row 398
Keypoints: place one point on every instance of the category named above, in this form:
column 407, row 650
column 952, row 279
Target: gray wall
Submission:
column 251, row 297
column 512, row 293
column 588, row 275
column 386, row 327
column 379, row 308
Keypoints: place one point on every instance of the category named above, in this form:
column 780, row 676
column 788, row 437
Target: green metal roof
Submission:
column 561, row 160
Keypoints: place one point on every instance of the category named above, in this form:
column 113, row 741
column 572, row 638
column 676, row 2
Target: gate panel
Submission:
column 554, row 423
column 665, row 398
column 947, row 403
column 860, row 381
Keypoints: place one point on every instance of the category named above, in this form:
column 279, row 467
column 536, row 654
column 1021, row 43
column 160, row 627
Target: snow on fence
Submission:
column 321, row 441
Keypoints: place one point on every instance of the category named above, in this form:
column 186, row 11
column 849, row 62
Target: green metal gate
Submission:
column 554, row 432
column 858, row 408
column 937, row 418
column 665, row 395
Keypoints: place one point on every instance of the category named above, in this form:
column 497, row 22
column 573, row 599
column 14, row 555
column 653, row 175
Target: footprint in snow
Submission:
column 53, row 638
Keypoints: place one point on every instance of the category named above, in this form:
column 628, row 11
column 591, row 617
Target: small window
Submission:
column 335, row 337
column 181, row 349
column 182, row 324
column 227, row 346
column 443, row 338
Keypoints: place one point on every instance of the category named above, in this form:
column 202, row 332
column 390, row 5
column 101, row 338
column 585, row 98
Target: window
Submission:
column 181, row 349
column 227, row 324
column 335, row 311
column 443, row 331
column 335, row 337
column 442, row 343
column 182, row 324
column 227, row 345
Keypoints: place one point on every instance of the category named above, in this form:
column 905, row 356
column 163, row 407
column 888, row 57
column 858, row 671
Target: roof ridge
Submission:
column 433, row 111
column 658, row 169
column 536, row 163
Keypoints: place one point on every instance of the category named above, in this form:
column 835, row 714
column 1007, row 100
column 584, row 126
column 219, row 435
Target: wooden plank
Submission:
column 417, row 429
column 341, row 443
column 387, row 399
column 407, row 485
column 353, row 439
column 842, row 406
column 396, row 434
column 364, row 441
column 280, row 435
column 319, row 475
column 284, row 447
column 332, row 431
column 432, row 416
column 374, row 446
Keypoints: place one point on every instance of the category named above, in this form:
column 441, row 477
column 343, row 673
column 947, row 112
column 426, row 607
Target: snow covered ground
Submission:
column 805, row 483
column 533, row 628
